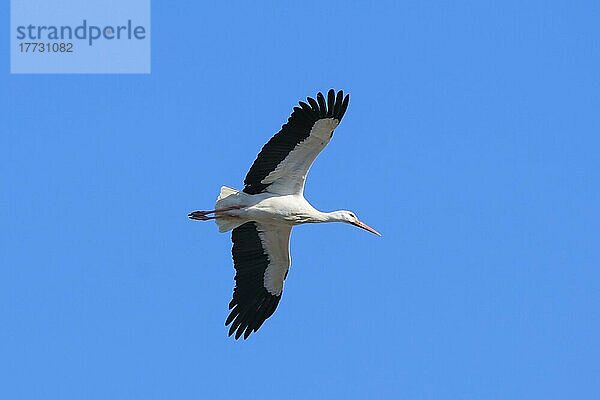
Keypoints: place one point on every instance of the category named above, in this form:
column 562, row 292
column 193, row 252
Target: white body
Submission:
column 264, row 208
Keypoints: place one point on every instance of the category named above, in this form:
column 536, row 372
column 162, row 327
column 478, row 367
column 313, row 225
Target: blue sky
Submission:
column 471, row 142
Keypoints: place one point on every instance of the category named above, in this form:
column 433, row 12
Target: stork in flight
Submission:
column 262, row 215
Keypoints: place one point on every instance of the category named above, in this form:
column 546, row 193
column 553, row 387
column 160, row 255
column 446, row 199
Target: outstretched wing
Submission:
column 261, row 258
column 283, row 163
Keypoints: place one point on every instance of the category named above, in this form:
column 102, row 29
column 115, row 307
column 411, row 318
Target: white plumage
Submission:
column 262, row 215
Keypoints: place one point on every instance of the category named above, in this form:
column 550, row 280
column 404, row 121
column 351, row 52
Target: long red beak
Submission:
column 366, row 227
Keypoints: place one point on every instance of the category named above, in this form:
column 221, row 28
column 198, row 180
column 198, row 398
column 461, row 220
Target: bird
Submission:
column 261, row 215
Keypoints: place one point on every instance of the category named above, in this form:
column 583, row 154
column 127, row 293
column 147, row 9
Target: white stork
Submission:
column 272, row 202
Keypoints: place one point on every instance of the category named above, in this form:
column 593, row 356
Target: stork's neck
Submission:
column 333, row 216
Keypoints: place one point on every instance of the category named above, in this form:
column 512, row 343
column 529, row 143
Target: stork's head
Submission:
column 351, row 218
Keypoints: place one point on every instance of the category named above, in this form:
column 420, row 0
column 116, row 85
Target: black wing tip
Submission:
column 335, row 106
column 245, row 322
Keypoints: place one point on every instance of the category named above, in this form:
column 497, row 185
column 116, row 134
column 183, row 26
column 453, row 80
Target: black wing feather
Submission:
column 322, row 106
column 330, row 102
column 296, row 130
column 313, row 104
